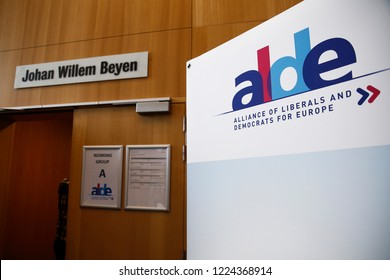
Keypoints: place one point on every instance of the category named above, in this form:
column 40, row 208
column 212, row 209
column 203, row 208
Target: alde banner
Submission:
column 288, row 141
column 315, row 75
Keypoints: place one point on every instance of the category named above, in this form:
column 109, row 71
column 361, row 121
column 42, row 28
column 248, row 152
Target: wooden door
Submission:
column 96, row 233
column 39, row 160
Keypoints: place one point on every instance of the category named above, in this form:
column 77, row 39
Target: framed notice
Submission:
column 147, row 177
column 102, row 176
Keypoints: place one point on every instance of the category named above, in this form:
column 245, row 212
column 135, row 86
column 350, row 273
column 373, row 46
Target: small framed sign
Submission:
column 147, row 177
column 102, row 176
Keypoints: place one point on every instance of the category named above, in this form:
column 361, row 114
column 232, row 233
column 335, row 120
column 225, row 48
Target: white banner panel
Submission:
column 288, row 138
column 102, row 68
column 321, row 47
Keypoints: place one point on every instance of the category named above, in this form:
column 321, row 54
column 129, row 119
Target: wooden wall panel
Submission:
column 206, row 12
column 12, row 15
column 205, row 38
column 216, row 22
column 122, row 234
column 168, row 53
column 31, row 23
column 8, row 98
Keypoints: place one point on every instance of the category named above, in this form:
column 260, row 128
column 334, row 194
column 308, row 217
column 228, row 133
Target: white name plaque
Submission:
column 101, row 68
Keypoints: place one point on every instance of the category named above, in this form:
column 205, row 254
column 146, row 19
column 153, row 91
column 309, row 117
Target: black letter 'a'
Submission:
column 102, row 174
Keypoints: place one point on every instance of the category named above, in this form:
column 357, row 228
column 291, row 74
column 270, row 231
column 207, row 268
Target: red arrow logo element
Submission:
column 375, row 92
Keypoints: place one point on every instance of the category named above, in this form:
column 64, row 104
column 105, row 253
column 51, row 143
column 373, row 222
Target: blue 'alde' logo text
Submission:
column 265, row 82
column 105, row 191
